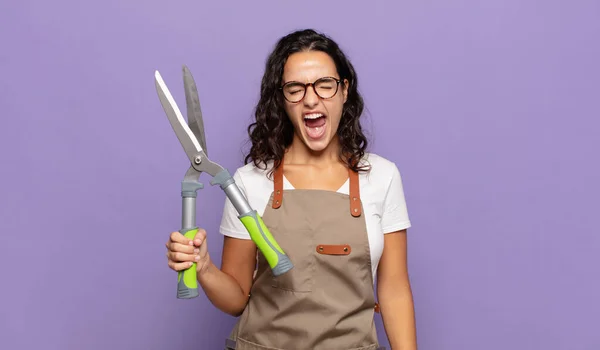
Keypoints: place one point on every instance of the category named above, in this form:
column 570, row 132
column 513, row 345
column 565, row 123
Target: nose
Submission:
column 310, row 98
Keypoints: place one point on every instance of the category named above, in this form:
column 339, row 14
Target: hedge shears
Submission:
column 191, row 136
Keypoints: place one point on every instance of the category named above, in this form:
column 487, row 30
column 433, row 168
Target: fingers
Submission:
column 182, row 257
column 183, row 252
column 200, row 241
column 178, row 247
column 200, row 237
column 179, row 266
column 177, row 237
column 180, row 261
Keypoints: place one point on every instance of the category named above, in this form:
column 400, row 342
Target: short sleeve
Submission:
column 231, row 225
column 395, row 213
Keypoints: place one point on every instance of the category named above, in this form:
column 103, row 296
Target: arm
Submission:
column 394, row 293
column 228, row 288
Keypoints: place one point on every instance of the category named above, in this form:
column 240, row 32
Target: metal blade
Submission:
column 194, row 113
column 184, row 134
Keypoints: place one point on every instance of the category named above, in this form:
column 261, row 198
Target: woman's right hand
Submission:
column 182, row 252
column 227, row 289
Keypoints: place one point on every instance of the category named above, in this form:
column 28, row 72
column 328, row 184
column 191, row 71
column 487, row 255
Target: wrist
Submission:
column 206, row 270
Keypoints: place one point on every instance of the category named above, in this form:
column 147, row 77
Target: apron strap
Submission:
column 355, row 202
column 278, row 186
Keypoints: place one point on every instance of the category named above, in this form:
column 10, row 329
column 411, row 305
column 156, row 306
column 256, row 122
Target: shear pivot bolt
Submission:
column 197, row 160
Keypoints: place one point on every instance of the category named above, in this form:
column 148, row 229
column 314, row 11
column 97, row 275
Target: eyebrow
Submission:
column 283, row 82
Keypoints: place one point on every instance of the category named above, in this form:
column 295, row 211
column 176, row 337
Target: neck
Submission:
column 298, row 152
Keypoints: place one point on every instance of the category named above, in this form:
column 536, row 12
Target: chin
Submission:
column 317, row 145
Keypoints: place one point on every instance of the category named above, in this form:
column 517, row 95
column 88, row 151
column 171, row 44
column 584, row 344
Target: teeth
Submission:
column 313, row 116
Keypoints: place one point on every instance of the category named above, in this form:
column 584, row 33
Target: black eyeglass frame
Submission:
column 306, row 85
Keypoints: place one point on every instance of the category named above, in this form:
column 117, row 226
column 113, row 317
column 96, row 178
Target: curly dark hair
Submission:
column 272, row 131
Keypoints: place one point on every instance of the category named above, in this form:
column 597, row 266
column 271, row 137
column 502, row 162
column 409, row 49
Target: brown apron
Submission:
column 327, row 300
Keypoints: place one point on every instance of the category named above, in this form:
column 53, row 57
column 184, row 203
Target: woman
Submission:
column 337, row 211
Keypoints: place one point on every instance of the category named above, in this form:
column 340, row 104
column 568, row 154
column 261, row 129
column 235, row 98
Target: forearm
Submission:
column 397, row 311
column 223, row 291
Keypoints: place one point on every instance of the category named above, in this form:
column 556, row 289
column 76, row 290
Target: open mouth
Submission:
column 315, row 125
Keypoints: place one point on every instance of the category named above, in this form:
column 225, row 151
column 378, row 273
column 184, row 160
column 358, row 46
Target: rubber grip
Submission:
column 276, row 258
column 187, row 284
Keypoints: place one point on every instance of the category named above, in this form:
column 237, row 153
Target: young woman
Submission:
column 337, row 211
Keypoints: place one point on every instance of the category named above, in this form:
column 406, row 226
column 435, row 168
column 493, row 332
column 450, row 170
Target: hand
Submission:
column 182, row 252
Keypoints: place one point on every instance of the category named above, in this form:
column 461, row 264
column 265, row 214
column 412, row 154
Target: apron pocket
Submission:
column 298, row 246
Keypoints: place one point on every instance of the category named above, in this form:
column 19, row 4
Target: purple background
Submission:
column 489, row 108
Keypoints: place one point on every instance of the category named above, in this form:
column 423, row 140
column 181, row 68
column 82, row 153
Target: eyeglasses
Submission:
column 325, row 88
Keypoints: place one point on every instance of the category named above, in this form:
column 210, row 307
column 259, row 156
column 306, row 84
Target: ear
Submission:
column 345, row 90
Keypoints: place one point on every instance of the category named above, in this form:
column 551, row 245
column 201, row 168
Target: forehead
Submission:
column 308, row 66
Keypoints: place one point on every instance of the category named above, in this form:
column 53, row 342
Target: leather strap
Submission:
column 355, row 206
column 334, row 249
column 278, row 186
column 355, row 202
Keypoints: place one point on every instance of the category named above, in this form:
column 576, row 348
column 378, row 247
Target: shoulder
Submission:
column 382, row 171
column 255, row 182
column 384, row 193
column 378, row 163
column 251, row 173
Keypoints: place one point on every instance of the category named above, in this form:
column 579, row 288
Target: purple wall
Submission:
column 490, row 109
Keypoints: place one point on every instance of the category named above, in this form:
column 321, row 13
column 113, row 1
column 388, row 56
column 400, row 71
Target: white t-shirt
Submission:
column 381, row 192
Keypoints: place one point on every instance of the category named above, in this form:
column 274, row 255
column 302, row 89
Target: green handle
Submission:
column 187, row 285
column 276, row 258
